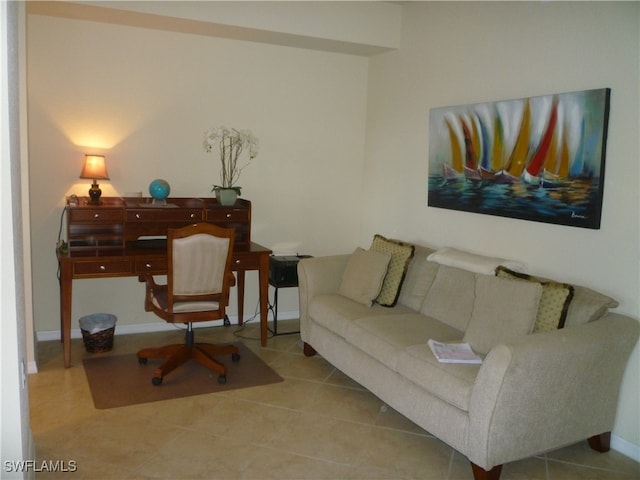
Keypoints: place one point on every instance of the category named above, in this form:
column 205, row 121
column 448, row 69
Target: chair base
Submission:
column 181, row 353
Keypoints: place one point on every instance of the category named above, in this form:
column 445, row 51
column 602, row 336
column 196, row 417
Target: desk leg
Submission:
column 263, row 279
column 240, row 294
column 65, row 310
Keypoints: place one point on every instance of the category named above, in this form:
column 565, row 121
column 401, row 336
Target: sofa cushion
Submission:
column 336, row 312
column 420, row 276
column 385, row 336
column 471, row 261
column 503, row 310
column 450, row 298
column 450, row 382
column 401, row 255
column 363, row 276
column 554, row 302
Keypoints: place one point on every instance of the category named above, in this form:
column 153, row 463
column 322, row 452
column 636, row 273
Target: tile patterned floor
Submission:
column 318, row 424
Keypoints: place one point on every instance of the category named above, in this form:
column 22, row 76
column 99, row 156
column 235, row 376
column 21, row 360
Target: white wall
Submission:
column 144, row 97
column 16, row 440
column 453, row 53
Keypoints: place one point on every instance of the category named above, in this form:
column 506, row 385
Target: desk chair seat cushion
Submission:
column 159, row 300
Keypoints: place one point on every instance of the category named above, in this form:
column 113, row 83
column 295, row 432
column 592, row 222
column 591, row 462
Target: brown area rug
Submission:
column 119, row 380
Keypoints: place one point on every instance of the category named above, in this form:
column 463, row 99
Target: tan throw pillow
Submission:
column 401, row 255
column 554, row 303
column 363, row 275
column 503, row 311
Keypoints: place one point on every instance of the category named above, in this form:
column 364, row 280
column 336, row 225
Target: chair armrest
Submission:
column 549, row 389
column 318, row 276
column 151, row 282
column 150, row 287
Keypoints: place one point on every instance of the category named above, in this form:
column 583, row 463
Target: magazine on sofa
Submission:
column 453, row 352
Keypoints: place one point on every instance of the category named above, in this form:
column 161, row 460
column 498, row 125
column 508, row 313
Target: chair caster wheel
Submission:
column 222, row 379
column 142, row 360
column 156, row 380
column 235, row 357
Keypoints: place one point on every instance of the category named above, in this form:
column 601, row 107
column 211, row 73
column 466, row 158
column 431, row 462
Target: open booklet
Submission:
column 453, row 352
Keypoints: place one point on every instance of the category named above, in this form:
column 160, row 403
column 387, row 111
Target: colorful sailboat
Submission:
column 517, row 159
column 556, row 172
column 471, row 171
column 532, row 172
column 493, row 162
column 452, row 171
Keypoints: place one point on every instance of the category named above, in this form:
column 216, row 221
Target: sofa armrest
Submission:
column 318, row 276
column 549, row 389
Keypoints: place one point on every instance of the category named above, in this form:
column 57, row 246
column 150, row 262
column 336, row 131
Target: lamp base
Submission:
column 94, row 194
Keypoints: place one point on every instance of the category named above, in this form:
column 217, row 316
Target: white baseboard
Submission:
column 32, row 367
column 625, row 447
column 44, row 336
column 47, row 335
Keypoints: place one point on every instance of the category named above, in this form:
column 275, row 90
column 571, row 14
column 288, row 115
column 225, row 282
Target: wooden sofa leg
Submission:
column 308, row 350
column 480, row 473
column 600, row 443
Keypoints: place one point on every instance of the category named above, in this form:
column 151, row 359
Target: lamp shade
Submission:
column 94, row 167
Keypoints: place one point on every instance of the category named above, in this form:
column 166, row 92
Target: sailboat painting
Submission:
column 537, row 158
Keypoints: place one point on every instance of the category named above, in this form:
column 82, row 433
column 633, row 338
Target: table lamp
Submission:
column 94, row 168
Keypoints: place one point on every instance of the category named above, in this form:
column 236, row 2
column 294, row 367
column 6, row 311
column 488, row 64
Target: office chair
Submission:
column 199, row 277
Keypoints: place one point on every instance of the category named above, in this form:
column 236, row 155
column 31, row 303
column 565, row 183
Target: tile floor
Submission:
column 318, row 424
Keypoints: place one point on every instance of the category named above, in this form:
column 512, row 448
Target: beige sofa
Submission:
column 539, row 387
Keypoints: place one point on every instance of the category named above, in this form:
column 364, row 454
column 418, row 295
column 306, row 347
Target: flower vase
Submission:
column 226, row 196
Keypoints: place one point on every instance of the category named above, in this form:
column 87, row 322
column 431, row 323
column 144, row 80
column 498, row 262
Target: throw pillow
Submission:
column 503, row 310
column 363, row 275
column 554, row 302
column 472, row 261
column 401, row 255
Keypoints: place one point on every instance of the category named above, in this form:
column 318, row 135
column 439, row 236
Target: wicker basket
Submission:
column 98, row 342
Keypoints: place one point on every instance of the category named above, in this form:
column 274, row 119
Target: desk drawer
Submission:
column 96, row 215
column 228, row 215
column 103, row 268
column 187, row 215
column 151, row 265
column 245, row 262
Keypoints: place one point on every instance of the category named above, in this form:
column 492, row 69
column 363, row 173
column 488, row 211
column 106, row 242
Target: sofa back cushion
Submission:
column 417, row 282
column 502, row 311
column 450, row 298
column 363, row 276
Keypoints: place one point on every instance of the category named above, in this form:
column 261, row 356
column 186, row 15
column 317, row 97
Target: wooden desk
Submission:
column 103, row 242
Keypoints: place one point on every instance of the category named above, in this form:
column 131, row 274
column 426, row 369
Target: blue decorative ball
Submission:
column 159, row 189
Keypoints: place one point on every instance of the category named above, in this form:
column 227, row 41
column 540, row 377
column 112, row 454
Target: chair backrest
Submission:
column 199, row 264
